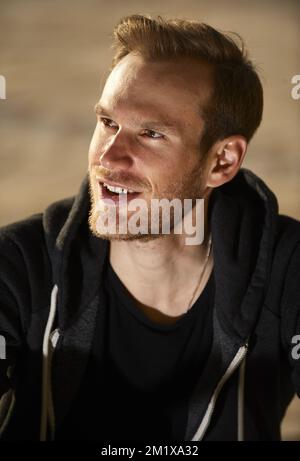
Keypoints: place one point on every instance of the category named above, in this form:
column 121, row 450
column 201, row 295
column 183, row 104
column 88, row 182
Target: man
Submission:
column 123, row 335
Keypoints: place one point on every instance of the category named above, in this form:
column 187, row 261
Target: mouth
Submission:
column 115, row 191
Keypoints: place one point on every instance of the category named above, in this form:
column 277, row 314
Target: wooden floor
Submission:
column 54, row 55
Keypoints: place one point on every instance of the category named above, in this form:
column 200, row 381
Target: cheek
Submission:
column 162, row 170
column 164, row 179
column 180, row 172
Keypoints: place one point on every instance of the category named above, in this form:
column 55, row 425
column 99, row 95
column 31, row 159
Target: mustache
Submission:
column 122, row 177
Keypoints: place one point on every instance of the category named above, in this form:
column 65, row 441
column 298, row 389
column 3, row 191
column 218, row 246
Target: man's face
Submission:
column 148, row 132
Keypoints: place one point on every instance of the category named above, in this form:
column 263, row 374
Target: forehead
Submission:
column 172, row 87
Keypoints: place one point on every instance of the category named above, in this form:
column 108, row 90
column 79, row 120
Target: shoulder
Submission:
column 287, row 239
column 288, row 243
column 26, row 248
column 33, row 232
column 288, row 226
column 290, row 295
column 20, row 231
column 283, row 259
column 287, row 246
column 25, row 260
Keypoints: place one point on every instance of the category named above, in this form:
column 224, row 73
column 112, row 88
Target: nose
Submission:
column 116, row 153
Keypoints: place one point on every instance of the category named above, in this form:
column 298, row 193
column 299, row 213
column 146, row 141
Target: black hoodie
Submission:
column 50, row 270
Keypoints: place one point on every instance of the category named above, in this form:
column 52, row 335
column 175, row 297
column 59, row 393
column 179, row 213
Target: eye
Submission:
column 108, row 122
column 153, row 134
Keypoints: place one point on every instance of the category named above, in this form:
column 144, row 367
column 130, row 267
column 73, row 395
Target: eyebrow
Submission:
column 162, row 124
column 99, row 110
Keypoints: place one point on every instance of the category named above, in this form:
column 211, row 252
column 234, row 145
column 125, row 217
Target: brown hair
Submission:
column 237, row 101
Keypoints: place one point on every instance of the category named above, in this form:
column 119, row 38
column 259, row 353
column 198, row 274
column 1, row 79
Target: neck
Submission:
column 162, row 274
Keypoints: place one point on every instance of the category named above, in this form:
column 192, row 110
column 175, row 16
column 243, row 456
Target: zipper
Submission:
column 53, row 339
column 237, row 360
column 47, row 353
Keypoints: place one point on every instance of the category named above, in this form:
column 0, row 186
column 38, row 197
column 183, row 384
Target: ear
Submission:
column 226, row 160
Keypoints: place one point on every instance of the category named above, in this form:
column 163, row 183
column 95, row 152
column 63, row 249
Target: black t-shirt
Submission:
column 140, row 374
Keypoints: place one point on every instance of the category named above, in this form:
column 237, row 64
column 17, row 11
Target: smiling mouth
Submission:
column 114, row 192
column 118, row 190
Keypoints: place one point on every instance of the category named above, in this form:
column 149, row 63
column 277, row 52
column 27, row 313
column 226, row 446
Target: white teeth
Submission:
column 117, row 190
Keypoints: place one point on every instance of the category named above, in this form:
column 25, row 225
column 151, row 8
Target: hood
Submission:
column 244, row 223
column 77, row 256
column 242, row 215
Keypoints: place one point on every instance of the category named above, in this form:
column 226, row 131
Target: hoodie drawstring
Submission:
column 241, row 402
column 46, row 384
column 236, row 362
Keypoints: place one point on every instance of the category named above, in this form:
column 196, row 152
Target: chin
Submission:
column 105, row 234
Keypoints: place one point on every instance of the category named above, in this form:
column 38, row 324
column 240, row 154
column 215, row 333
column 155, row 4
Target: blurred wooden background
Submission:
column 54, row 55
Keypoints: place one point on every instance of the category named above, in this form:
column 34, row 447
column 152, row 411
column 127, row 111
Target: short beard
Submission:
column 190, row 187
